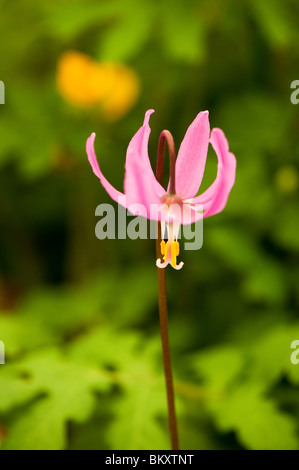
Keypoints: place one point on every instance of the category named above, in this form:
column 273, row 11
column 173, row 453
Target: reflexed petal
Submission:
column 215, row 197
column 113, row 193
column 191, row 160
column 141, row 185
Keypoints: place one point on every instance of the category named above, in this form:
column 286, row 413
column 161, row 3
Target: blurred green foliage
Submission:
column 79, row 316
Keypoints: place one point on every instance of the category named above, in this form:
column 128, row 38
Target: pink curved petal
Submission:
column 113, row 193
column 191, row 160
column 215, row 197
column 141, row 185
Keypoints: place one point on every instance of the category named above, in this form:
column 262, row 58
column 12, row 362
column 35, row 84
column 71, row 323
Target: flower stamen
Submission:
column 173, row 253
column 162, row 245
column 170, row 249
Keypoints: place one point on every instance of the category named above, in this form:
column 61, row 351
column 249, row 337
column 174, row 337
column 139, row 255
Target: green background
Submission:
column 79, row 316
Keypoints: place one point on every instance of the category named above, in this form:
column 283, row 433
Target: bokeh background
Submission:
column 79, row 316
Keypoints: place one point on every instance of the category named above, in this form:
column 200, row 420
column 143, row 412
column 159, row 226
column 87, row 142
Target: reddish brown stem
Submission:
column 163, row 314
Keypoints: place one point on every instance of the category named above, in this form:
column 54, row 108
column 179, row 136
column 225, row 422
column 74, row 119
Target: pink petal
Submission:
column 215, row 197
column 113, row 193
column 192, row 156
column 141, row 185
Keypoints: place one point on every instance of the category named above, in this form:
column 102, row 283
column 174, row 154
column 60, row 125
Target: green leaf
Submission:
column 271, row 354
column 256, row 420
column 218, row 367
column 21, row 334
column 136, row 424
column 142, row 399
column 15, row 389
column 68, row 387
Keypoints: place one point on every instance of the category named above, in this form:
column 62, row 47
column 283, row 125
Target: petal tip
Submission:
column 92, row 137
column 206, row 116
column 203, row 114
column 203, row 118
column 147, row 116
column 90, row 142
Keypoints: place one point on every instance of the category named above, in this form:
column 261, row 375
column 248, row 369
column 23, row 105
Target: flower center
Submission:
column 169, row 199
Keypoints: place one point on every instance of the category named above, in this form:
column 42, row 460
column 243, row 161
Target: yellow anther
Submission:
column 166, row 251
column 173, row 253
column 162, row 245
column 177, row 248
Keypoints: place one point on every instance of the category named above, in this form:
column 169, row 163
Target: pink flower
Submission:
column 182, row 206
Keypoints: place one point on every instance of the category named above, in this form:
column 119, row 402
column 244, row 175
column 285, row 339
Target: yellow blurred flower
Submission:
column 76, row 77
column 123, row 91
column 85, row 83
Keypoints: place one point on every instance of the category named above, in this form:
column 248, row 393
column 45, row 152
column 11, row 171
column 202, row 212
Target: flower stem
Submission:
column 163, row 315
